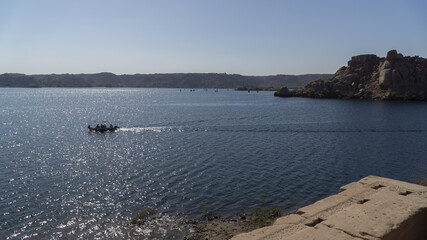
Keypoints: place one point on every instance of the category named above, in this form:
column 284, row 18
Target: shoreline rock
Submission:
column 217, row 228
column 395, row 77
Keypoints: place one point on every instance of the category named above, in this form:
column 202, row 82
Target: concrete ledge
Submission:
column 371, row 209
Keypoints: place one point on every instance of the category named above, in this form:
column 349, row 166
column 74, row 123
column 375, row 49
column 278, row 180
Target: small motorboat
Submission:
column 103, row 128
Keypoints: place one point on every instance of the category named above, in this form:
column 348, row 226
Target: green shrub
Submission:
column 207, row 212
column 140, row 218
column 265, row 216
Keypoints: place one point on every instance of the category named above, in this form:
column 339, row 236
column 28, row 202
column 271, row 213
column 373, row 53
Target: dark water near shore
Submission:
column 179, row 152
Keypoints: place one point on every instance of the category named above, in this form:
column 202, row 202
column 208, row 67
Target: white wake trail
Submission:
column 153, row 129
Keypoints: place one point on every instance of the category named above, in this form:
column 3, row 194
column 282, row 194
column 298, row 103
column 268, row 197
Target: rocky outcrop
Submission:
column 283, row 92
column 395, row 77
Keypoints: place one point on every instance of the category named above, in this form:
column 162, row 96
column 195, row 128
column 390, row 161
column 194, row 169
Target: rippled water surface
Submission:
column 180, row 151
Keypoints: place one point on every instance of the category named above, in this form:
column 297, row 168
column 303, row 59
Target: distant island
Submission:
column 171, row 80
column 395, row 77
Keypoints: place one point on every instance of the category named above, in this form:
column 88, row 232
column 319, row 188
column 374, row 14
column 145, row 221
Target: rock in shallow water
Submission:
column 283, row 92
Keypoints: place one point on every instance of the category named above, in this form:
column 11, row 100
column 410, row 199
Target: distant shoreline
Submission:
column 169, row 80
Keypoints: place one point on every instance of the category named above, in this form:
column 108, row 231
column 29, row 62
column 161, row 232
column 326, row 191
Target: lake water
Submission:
column 180, row 151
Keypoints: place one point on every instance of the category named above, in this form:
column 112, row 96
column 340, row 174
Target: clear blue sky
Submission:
column 247, row 37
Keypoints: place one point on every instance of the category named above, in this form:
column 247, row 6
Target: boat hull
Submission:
column 105, row 129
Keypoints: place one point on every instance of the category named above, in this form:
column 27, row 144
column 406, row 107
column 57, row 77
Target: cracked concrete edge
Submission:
column 353, row 211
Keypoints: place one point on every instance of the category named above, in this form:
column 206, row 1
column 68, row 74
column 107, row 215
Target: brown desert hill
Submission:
column 395, row 77
column 159, row 80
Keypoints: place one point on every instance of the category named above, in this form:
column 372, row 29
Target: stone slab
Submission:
column 372, row 208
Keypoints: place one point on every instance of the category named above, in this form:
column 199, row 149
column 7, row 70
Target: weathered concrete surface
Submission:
column 372, row 208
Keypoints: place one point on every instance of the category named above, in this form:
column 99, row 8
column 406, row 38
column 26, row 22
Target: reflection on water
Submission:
column 178, row 152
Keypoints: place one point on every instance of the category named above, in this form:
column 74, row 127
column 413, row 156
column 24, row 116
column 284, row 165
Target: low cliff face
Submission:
column 395, row 77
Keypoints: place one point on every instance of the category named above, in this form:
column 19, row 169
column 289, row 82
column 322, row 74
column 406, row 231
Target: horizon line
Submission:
column 159, row 73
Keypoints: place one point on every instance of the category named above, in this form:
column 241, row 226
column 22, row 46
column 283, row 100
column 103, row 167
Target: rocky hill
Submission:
column 172, row 80
column 395, row 77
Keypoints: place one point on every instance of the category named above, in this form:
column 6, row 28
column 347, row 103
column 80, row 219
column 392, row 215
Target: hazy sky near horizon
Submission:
column 249, row 37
